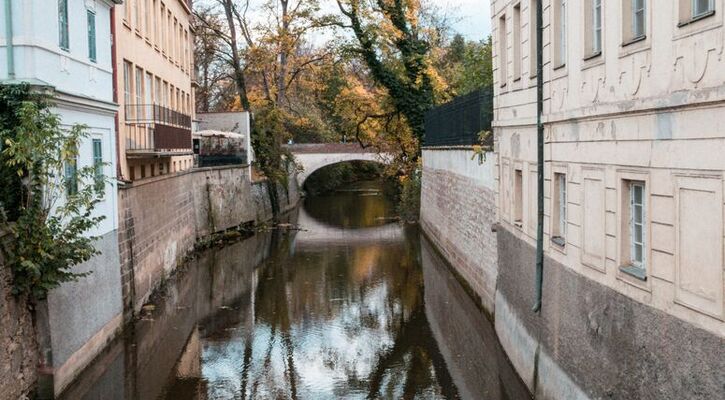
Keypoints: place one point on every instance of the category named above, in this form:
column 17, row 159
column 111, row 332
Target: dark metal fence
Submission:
column 460, row 121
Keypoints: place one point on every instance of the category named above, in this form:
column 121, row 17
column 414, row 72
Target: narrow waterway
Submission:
column 352, row 306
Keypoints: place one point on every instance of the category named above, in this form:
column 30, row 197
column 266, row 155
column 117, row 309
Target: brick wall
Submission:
column 18, row 348
column 161, row 218
column 458, row 210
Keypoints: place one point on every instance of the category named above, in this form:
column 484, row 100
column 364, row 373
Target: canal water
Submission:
column 351, row 306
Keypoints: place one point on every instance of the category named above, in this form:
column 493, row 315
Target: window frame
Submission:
column 694, row 4
column 63, row 25
column 92, row 38
column 518, row 209
column 503, row 51
column 98, row 163
column 70, row 176
column 560, row 34
column 559, row 229
column 641, row 33
column 631, row 263
column 597, row 27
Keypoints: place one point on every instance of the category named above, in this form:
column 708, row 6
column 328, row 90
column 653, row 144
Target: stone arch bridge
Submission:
column 312, row 157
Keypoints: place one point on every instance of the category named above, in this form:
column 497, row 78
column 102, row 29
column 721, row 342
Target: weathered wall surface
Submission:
column 78, row 319
column 458, row 210
column 161, row 219
column 592, row 342
column 18, row 348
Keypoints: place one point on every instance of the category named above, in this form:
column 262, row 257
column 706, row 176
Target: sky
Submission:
column 474, row 17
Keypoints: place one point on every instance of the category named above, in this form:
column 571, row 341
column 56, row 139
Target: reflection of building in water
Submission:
column 466, row 338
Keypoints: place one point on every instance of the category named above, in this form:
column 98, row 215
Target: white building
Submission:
column 633, row 196
column 66, row 45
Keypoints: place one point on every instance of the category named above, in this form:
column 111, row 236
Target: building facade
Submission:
column 634, row 94
column 65, row 46
column 154, row 87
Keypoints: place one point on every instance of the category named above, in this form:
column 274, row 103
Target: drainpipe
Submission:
column 540, row 153
column 9, row 39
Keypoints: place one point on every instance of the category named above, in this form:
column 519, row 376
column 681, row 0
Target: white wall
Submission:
column 84, row 88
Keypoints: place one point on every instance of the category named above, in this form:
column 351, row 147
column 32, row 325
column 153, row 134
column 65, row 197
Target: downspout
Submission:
column 114, row 69
column 9, row 39
column 540, row 153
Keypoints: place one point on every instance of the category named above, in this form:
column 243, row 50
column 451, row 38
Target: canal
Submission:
column 349, row 306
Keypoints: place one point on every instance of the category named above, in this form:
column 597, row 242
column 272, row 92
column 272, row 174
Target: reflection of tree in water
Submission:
column 355, row 314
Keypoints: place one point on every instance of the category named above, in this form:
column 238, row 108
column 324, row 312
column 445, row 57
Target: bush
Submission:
column 52, row 213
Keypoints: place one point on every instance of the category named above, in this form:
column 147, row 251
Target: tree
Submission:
column 56, row 199
column 392, row 45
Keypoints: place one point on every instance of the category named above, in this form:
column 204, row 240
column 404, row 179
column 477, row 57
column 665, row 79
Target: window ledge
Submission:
column 559, row 241
column 636, row 272
column 560, row 66
column 518, row 224
column 592, row 56
column 634, row 40
column 695, row 19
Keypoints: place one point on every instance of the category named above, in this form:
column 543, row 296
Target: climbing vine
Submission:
column 48, row 199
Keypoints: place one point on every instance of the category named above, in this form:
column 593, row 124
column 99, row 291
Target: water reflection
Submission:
column 289, row 316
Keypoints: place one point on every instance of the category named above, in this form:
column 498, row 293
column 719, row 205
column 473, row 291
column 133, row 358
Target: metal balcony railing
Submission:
column 156, row 129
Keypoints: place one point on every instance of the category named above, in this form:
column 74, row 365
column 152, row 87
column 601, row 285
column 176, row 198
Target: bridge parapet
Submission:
column 329, row 148
column 312, row 157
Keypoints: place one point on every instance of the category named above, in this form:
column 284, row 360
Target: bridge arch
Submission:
column 312, row 157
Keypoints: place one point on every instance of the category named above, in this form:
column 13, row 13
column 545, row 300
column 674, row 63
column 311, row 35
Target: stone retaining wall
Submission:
column 161, row 218
column 458, row 211
column 18, row 348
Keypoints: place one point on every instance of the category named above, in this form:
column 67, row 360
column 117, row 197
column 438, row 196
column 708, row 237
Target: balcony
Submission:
column 157, row 131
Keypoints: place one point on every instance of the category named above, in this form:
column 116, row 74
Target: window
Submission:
column 139, row 93
column 702, row 7
column 502, row 51
column 91, row 17
column 149, row 23
column 63, row 37
column 597, row 26
column 517, row 42
column 532, row 38
column 139, row 12
column 149, row 90
column 162, row 28
column 518, row 198
column 560, row 203
column 71, row 176
column 638, row 19
column 635, row 232
column 98, row 164
column 127, row 94
column 560, row 33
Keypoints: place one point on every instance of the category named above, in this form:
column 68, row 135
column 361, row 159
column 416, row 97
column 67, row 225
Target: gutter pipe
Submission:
column 540, row 153
column 9, row 39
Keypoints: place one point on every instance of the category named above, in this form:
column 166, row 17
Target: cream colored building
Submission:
column 154, row 86
column 634, row 112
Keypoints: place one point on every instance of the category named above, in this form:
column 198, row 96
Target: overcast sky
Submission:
column 475, row 17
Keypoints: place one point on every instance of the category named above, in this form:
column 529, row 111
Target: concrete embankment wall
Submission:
column 458, row 212
column 161, row 219
column 589, row 341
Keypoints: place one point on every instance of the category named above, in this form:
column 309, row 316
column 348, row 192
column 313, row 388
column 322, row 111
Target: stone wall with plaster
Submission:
column 458, row 211
column 161, row 219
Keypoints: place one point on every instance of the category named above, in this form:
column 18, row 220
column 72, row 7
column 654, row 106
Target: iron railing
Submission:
column 154, row 129
column 150, row 114
column 460, row 121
